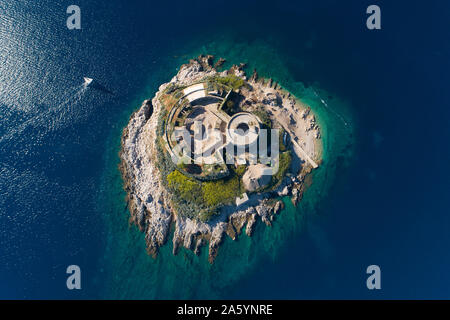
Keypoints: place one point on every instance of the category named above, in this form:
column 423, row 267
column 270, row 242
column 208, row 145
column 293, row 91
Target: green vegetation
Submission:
column 184, row 187
column 284, row 164
column 201, row 199
column 264, row 117
column 220, row 192
column 240, row 170
column 285, row 160
column 230, row 81
column 281, row 144
column 206, row 215
column 204, row 198
column 161, row 123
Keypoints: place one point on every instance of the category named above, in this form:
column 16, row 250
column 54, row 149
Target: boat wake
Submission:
column 51, row 119
column 325, row 104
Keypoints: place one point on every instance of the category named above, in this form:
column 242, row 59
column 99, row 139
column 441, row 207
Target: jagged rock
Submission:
column 187, row 71
column 278, row 207
column 231, row 232
column 139, row 176
column 219, row 63
column 238, row 221
column 238, row 71
column 266, row 220
column 271, row 99
column 250, row 224
column 317, row 134
column 295, row 196
column 254, row 76
column 216, row 239
column 198, row 245
column 284, row 192
column 263, row 212
column 206, row 61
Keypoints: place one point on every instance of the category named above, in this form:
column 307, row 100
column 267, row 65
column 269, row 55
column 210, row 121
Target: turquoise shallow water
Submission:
column 131, row 273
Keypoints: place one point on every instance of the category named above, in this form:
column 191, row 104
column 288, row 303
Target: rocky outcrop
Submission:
column 250, row 224
column 146, row 196
column 278, row 207
column 219, row 63
column 149, row 202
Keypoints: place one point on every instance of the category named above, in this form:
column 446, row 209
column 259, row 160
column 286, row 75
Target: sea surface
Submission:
column 380, row 197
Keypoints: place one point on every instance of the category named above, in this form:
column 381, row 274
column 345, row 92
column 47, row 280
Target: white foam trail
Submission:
column 330, row 109
column 50, row 119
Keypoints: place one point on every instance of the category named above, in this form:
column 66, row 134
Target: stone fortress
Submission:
column 198, row 133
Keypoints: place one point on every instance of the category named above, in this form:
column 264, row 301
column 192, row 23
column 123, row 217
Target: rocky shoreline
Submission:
column 150, row 204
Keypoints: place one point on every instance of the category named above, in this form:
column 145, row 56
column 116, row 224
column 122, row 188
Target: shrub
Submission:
column 284, row 164
column 281, row 141
column 240, row 170
column 220, row 192
column 206, row 215
column 230, row 81
column 264, row 117
column 184, row 187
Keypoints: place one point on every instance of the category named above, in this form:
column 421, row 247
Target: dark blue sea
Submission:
column 382, row 195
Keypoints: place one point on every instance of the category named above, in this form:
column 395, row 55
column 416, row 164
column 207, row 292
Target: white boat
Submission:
column 87, row 81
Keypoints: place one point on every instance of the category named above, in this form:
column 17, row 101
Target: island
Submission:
column 213, row 152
